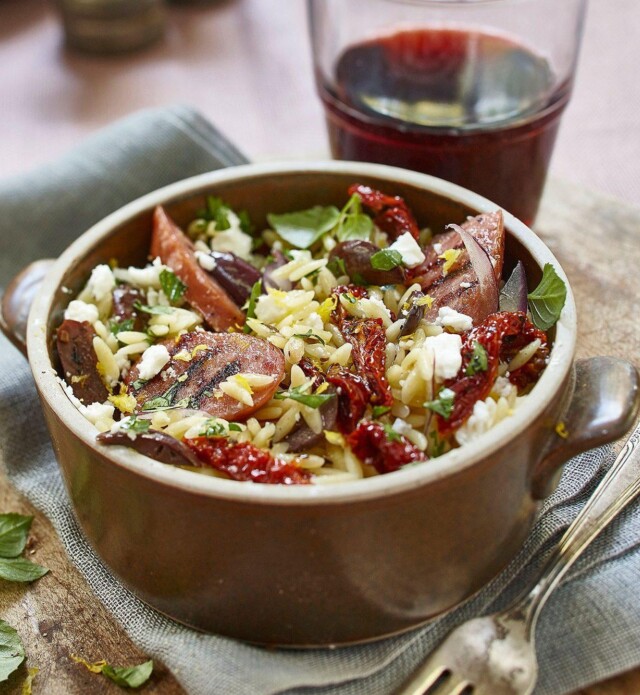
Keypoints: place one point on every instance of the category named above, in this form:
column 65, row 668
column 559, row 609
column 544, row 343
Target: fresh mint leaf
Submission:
column 234, row 427
column 213, row 428
column 256, row 291
column 443, row 404
column 386, row 259
column 17, row 569
column 312, row 400
column 303, row 228
column 129, row 677
column 479, row 361
column 11, row 650
column 380, row 410
column 349, row 297
column 337, row 267
column 548, row 298
column 137, row 424
column 217, row 211
column 172, row 285
column 14, row 531
column 157, row 309
column 353, row 224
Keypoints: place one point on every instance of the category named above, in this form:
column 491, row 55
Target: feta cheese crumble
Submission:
column 152, row 361
column 450, row 318
column 409, row 249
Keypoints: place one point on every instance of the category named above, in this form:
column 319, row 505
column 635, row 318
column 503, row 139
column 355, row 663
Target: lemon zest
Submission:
column 95, row 667
column 183, row 356
column 427, row 301
column 243, row 383
column 450, row 257
column 322, row 388
column 124, row 403
column 561, row 430
column 198, row 348
column 325, row 309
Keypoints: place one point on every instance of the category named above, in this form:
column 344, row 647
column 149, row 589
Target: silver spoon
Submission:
column 495, row 654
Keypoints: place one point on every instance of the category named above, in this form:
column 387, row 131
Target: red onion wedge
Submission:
column 513, row 296
column 487, row 300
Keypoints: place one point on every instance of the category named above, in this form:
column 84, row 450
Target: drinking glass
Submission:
column 468, row 90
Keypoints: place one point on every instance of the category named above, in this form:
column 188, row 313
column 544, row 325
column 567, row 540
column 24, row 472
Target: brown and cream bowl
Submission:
column 315, row 564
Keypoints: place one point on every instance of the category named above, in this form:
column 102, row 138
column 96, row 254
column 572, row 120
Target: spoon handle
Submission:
column 616, row 490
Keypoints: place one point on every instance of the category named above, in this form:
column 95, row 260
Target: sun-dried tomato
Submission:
column 244, row 461
column 369, row 342
column 353, row 397
column 529, row 373
column 371, row 443
column 392, row 213
column 501, row 335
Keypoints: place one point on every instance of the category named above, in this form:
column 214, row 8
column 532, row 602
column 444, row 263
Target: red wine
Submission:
column 473, row 108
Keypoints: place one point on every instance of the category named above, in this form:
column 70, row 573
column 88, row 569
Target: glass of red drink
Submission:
column 468, row 90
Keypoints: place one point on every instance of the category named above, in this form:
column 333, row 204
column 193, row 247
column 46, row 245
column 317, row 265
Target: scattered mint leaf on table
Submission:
column 14, row 531
column 18, row 569
column 11, row 650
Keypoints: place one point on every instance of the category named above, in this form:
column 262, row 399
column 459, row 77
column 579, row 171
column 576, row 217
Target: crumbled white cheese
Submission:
column 101, row 282
column 152, row 361
column 401, row 426
column 437, row 247
column 81, row 311
column 447, row 354
column 504, row 388
column 409, row 249
column 233, row 240
column 465, row 285
column 450, row 318
column 205, row 260
column 100, row 414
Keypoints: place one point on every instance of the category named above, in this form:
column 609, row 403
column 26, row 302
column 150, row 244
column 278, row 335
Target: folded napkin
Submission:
column 591, row 626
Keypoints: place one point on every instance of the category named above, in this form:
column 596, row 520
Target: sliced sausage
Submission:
column 203, row 292
column 459, row 289
column 74, row 342
column 211, row 358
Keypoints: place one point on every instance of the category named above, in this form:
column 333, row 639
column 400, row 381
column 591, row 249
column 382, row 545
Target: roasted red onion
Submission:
column 234, row 275
column 487, row 301
column 513, row 296
column 268, row 281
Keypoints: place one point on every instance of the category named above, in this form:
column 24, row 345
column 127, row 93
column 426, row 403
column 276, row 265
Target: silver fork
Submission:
column 495, row 655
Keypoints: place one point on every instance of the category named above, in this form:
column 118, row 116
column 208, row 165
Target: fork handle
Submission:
column 616, row 490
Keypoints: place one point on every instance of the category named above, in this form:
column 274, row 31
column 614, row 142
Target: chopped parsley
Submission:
column 380, row 410
column 157, row 309
column 298, row 393
column 116, row 327
column 479, row 361
column 256, row 291
column 392, row 435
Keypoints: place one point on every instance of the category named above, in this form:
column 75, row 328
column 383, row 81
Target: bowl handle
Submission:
column 602, row 405
column 17, row 300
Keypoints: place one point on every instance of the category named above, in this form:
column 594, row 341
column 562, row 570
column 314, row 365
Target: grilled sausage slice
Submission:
column 459, row 289
column 200, row 362
column 177, row 251
column 74, row 342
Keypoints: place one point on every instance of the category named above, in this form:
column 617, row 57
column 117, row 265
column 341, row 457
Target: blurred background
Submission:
column 246, row 66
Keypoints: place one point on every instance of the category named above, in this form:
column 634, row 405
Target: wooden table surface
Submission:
column 58, row 615
column 245, row 65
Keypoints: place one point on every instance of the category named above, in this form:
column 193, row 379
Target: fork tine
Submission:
column 456, row 687
column 423, row 679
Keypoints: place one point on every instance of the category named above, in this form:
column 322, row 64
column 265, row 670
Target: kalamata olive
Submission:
column 154, row 444
column 204, row 293
column 303, row 437
column 269, row 281
column 413, row 313
column 356, row 255
column 234, row 275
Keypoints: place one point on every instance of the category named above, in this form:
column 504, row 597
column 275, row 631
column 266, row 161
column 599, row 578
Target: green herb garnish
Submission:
column 312, row 400
column 479, row 361
column 116, row 327
column 349, row 297
column 548, row 298
column 309, row 334
column 157, row 309
column 386, row 259
column 123, row 676
column 380, row 410
column 218, row 211
column 213, row 428
column 337, row 267
column 256, row 291
column 14, row 531
column 234, row 427
column 11, row 650
column 443, row 404
column 137, row 424
column 303, row 228
column 392, row 435
column 353, row 224
column 172, row 285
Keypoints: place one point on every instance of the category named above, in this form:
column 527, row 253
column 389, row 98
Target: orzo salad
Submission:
column 332, row 345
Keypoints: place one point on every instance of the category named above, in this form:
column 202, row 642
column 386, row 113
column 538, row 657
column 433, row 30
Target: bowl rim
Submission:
column 455, row 461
